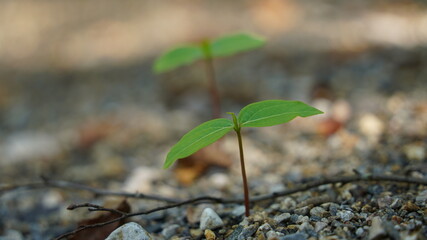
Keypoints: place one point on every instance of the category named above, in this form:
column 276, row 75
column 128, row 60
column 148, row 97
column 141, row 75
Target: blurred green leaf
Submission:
column 198, row 138
column 231, row 44
column 274, row 112
column 178, row 57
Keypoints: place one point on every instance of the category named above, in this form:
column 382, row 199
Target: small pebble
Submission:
column 376, row 231
column 319, row 226
column 345, row 215
column 272, row 235
column 210, row 220
column 265, row 227
column 318, row 212
column 247, row 232
column 238, row 211
column 410, row 207
column 129, row 231
column 359, row 232
column 170, row 230
column 302, row 210
column 422, row 197
column 397, row 203
column 209, row 235
column 284, row 217
column 295, row 236
column 305, row 226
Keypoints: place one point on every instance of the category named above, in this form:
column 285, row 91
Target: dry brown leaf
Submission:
column 190, row 168
column 100, row 233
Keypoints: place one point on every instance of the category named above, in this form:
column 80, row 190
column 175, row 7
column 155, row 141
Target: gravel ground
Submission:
column 110, row 125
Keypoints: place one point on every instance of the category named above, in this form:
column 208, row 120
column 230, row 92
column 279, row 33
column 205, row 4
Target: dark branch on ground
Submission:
column 208, row 199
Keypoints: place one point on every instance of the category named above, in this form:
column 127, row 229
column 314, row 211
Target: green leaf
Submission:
column 178, row 57
column 198, row 138
column 274, row 112
column 231, row 44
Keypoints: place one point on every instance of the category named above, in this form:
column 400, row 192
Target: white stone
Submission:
column 210, row 219
column 376, row 231
column 129, row 231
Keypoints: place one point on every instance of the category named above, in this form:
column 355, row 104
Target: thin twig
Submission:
column 46, row 183
column 301, row 188
column 93, row 208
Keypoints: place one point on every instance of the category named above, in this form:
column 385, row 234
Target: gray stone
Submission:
column 359, row 232
column 170, row 231
column 11, row 235
column 397, row 203
column 422, row 197
column 302, row 210
column 235, row 234
column 295, row 236
column 265, row 227
column 284, row 217
column 210, row 220
column 272, row 235
column 129, row 231
column 247, row 232
column 345, row 215
column 319, row 226
column 305, row 226
column 238, row 211
column 318, row 212
column 376, row 231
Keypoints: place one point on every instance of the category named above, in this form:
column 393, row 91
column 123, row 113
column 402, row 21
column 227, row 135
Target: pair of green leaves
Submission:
column 220, row 47
column 259, row 114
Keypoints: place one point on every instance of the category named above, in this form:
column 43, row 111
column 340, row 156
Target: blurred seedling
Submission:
column 260, row 114
column 207, row 50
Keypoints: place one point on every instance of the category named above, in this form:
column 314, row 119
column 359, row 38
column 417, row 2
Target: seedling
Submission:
column 260, row 114
column 207, row 50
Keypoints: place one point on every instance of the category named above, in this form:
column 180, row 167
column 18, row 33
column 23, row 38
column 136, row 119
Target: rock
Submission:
column 129, row 231
column 265, row 227
column 220, row 180
column 295, row 236
column 345, row 215
column 272, row 235
column 247, row 232
column 376, row 231
column 415, row 151
column 384, row 202
column 359, row 232
column 288, row 203
column 238, row 211
column 196, row 233
column 210, row 220
column 397, row 203
column 209, row 235
column 319, row 226
column 235, row 234
column 284, row 217
column 318, row 212
column 305, row 226
column 170, row 231
column 422, row 197
column 11, row 235
column 410, row 207
column 302, row 210
column 371, row 126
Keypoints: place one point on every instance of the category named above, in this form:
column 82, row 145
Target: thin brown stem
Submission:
column 213, row 88
column 212, row 83
column 245, row 180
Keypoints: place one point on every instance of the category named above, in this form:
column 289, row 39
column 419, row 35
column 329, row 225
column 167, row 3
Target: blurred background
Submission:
column 79, row 100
